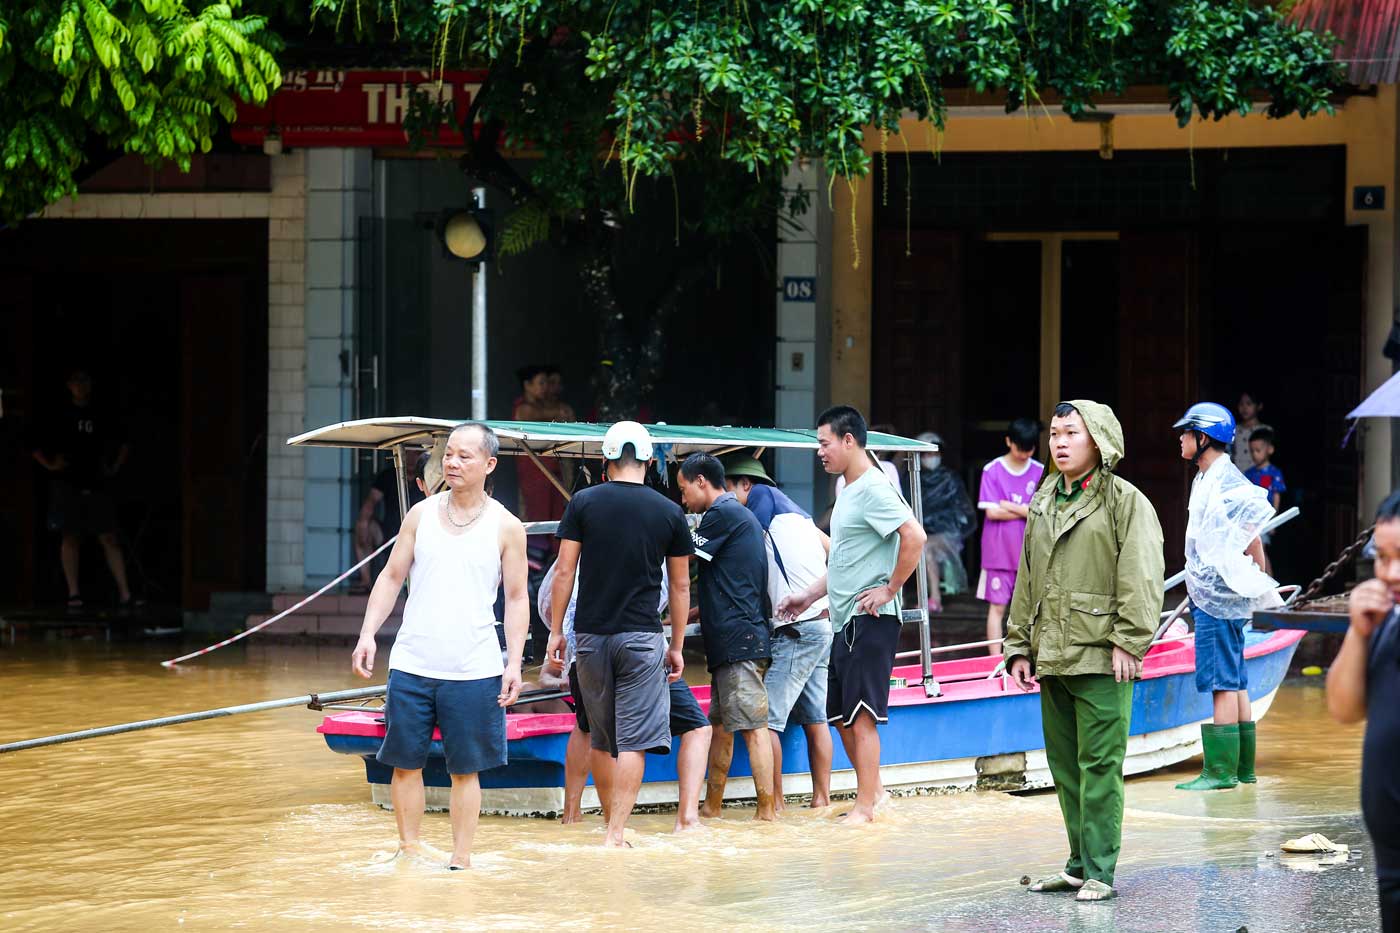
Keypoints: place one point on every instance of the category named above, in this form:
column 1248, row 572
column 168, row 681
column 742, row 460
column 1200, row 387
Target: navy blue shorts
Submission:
column 686, row 715
column 473, row 725
column 1219, row 653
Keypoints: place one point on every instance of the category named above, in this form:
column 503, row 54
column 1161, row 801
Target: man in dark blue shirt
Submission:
column 734, row 624
column 1364, row 683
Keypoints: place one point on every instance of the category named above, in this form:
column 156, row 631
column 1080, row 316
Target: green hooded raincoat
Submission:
column 1091, row 568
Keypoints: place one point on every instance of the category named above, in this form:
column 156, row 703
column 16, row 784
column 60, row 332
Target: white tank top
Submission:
column 449, row 623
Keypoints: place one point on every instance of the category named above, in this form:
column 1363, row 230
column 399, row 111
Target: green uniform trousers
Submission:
column 1086, row 718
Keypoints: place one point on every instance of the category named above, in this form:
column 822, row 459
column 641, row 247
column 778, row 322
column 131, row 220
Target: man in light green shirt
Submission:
column 875, row 546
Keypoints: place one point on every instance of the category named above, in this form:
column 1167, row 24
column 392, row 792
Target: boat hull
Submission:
column 981, row 734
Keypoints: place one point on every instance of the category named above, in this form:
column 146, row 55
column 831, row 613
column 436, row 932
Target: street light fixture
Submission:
column 465, row 233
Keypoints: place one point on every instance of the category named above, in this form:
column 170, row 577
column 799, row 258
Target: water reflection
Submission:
column 250, row 823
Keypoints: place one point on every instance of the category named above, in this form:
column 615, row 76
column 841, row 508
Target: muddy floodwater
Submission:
column 250, row 823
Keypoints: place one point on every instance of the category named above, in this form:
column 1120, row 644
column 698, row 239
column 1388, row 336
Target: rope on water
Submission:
column 281, row 615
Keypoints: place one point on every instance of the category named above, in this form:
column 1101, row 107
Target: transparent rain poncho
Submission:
column 1226, row 513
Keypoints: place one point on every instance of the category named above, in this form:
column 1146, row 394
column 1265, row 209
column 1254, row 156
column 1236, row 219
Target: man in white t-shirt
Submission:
column 801, row 649
column 446, row 668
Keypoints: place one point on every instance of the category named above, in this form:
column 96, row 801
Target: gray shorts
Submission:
column 738, row 698
column 623, row 681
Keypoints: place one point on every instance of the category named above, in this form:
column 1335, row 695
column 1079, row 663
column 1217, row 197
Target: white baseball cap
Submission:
column 624, row 433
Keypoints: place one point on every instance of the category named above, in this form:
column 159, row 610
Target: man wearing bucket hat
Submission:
column 624, row 531
column 1225, row 580
column 796, row 679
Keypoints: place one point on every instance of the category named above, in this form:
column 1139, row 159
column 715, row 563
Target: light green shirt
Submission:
column 864, row 545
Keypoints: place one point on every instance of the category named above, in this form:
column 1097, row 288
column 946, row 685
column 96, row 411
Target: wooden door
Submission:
column 916, row 351
column 1342, row 363
column 1157, row 377
column 21, row 527
column 224, row 513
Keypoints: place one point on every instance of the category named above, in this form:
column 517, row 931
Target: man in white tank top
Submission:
column 446, row 670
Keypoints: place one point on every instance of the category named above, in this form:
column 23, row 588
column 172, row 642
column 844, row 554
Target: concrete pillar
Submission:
column 339, row 187
column 286, row 372
column 802, row 371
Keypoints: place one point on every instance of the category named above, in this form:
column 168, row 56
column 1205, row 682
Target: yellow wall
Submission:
column 1367, row 126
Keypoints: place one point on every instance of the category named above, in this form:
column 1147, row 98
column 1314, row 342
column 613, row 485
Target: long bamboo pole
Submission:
column 319, row 699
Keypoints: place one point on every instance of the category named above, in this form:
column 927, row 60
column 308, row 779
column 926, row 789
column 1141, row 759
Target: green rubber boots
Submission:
column 1221, row 745
column 1246, row 769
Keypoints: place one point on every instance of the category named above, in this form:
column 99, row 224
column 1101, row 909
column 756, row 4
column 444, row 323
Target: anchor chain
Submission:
column 1342, row 560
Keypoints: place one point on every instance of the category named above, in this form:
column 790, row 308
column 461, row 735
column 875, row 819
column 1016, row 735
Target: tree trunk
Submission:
column 631, row 354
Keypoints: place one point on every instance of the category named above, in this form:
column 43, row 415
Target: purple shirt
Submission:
column 1001, row 540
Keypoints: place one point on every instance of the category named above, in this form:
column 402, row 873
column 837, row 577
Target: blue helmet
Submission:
column 1212, row 420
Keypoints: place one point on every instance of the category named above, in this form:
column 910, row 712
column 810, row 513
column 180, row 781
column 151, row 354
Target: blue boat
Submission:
column 980, row 733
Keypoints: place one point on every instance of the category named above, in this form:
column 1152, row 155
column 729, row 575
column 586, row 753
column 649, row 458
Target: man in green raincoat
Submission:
column 1087, row 599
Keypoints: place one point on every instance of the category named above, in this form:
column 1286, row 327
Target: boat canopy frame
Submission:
column 580, row 440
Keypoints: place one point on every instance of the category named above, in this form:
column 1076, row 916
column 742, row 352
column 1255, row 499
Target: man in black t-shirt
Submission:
column 85, row 446
column 734, row 615
column 624, row 531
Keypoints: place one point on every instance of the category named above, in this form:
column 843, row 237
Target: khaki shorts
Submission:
column 738, row 698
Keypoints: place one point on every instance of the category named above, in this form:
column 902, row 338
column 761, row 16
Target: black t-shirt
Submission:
column 88, row 437
column 1380, row 751
column 733, row 584
column 626, row 532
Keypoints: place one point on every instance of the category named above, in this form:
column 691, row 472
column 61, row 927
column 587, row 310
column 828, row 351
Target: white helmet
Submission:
column 624, row 433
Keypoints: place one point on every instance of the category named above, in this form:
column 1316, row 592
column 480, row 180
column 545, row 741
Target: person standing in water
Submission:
column 875, row 543
column 615, row 537
column 1226, row 582
column 1087, row 598
column 734, row 625
column 1364, row 683
column 446, row 670
column 796, row 680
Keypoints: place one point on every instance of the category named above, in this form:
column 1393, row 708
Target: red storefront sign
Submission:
column 353, row 107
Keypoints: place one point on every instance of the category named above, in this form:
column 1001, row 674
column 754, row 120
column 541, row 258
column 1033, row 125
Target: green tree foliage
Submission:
column 84, row 78
column 757, row 83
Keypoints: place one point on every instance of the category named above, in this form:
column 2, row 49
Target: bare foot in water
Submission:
column 857, row 816
column 419, row 850
column 819, row 801
column 709, row 812
column 461, row 863
column 687, row 824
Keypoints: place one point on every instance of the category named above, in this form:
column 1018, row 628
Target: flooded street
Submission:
column 251, row 823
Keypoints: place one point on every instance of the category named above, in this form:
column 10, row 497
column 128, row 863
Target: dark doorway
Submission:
column 171, row 319
column 1290, row 334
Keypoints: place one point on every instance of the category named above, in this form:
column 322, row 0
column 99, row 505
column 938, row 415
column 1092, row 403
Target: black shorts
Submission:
column 75, row 511
column 862, row 657
column 686, row 715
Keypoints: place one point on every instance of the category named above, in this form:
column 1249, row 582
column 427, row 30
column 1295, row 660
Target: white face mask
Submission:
column 930, row 461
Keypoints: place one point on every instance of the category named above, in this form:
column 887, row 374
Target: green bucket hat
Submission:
column 735, row 466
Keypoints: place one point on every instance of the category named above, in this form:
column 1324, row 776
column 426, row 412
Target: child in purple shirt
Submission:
column 1008, row 483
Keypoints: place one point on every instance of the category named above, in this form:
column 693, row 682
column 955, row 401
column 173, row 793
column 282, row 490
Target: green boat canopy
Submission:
column 577, row 439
